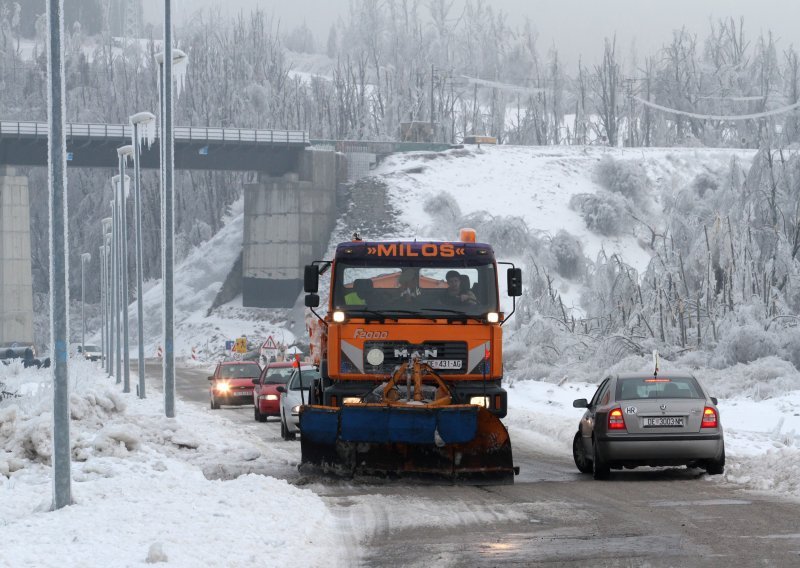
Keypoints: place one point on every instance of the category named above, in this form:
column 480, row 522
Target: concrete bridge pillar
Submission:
column 16, row 284
column 287, row 224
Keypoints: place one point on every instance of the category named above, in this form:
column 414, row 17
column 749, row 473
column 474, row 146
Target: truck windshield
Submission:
column 407, row 290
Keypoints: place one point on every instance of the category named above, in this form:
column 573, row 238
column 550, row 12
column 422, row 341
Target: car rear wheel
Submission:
column 716, row 467
column 285, row 434
column 257, row 414
column 582, row 461
column 600, row 467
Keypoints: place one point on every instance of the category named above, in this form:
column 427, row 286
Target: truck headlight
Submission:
column 479, row 401
column 493, row 317
column 338, row 317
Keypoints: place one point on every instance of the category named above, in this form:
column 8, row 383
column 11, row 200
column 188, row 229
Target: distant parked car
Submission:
column 232, row 383
column 266, row 398
column 24, row 350
column 645, row 420
column 90, row 352
column 293, row 394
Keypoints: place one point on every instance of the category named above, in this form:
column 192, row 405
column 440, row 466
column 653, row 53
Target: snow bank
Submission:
column 146, row 488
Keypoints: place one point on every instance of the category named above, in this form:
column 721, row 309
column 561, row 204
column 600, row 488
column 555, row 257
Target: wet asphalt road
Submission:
column 551, row 515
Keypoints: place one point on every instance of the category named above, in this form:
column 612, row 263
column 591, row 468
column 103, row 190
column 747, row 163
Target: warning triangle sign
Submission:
column 269, row 343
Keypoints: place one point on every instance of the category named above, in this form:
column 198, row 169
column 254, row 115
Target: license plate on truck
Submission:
column 445, row 363
column 655, row 422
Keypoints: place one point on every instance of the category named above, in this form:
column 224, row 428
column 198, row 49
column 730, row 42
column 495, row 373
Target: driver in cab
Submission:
column 457, row 293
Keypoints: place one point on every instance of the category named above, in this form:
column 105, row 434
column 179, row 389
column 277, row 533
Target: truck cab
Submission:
column 389, row 302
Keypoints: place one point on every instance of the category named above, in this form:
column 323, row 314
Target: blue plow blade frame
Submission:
column 388, row 424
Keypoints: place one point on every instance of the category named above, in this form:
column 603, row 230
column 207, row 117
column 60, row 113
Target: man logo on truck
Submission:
column 419, row 354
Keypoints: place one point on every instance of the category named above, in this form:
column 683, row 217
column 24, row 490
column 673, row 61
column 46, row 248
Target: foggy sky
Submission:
column 575, row 26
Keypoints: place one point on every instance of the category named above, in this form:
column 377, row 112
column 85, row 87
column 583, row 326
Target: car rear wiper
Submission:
column 456, row 312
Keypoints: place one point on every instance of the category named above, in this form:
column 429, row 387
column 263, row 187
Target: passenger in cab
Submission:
column 409, row 285
column 458, row 292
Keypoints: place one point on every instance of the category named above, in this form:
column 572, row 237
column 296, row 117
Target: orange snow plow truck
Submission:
column 410, row 359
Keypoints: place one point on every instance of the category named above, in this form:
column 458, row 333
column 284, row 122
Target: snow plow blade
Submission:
column 459, row 442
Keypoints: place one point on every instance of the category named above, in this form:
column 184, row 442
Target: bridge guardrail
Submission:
column 191, row 133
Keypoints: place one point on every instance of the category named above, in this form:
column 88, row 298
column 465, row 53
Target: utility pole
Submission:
column 629, row 91
column 124, row 183
column 433, row 133
column 103, row 304
column 107, row 224
column 168, row 214
column 116, row 286
column 85, row 257
column 59, row 316
column 139, row 120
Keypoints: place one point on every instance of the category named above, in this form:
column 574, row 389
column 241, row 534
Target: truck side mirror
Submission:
column 311, row 279
column 514, row 281
column 312, row 300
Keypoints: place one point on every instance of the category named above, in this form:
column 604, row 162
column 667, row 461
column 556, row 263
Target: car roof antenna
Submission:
column 655, row 363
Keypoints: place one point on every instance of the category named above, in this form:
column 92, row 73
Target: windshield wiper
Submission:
column 449, row 311
column 383, row 313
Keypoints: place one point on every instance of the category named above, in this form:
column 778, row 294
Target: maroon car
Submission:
column 266, row 398
column 232, row 383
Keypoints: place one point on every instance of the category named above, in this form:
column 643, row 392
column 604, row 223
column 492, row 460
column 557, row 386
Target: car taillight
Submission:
column 615, row 420
column 709, row 418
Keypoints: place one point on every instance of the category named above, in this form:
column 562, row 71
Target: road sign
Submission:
column 241, row 345
column 269, row 344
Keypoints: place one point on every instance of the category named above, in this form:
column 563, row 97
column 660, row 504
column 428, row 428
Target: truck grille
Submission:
column 448, row 357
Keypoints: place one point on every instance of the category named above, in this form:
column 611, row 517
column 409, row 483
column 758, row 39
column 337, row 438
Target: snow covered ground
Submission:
column 147, row 488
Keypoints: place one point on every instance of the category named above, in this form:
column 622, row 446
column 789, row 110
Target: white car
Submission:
column 90, row 352
column 292, row 396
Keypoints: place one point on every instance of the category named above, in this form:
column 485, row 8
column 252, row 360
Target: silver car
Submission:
column 646, row 420
column 292, row 396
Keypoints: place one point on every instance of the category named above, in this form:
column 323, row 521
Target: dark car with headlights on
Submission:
column 232, row 383
column 266, row 398
column 645, row 420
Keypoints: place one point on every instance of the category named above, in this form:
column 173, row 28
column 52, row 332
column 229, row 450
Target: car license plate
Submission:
column 243, row 393
column 663, row 421
column 445, row 363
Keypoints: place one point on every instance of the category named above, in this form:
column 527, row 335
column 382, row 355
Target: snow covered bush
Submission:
column 444, row 209
column 567, row 252
column 704, row 182
column 747, row 343
column 623, row 177
column 602, row 212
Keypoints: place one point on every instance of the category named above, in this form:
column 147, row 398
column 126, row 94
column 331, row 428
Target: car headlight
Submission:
column 296, row 409
column 479, row 401
column 351, row 400
column 269, row 397
column 223, row 387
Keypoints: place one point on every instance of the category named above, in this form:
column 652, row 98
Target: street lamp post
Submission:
column 106, row 224
column 85, row 257
column 59, row 307
column 169, row 57
column 139, row 120
column 115, row 285
column 123, row 183
column 102, row 250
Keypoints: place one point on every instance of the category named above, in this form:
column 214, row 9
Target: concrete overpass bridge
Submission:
column 290, row 209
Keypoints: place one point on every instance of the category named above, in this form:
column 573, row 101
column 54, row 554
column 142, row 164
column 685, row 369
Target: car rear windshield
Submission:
column 649, row 387
column 308, row 380
column 239, row 371
column 278, row 376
